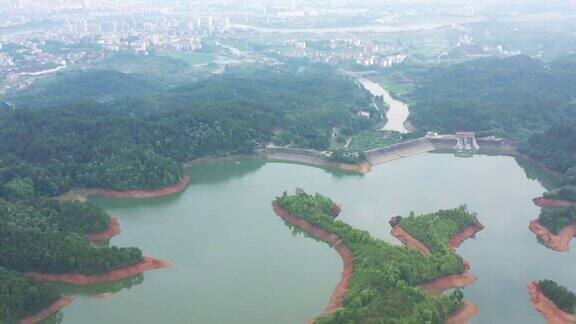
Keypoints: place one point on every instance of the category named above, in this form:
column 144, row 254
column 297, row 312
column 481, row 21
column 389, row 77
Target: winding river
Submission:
column 234, row 261
column 397, row 113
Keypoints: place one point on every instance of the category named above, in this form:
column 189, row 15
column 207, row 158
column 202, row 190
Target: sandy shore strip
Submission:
column 112, row 275
column 82, row 194
column 553, row 203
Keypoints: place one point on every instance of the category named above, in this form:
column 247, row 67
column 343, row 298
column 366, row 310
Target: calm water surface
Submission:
column 234, row 261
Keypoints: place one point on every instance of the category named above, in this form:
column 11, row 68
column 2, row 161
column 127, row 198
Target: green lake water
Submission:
column 234, row 260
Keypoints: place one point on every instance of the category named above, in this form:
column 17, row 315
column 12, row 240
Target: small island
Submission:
column 555, row 227
column 380, row 280
column 556, row 303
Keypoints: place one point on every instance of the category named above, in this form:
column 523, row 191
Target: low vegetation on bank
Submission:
column 20, row 296
column 383, row 283
column 559, row 295
column 374, row 139
column 437, row 229
column 556, row 219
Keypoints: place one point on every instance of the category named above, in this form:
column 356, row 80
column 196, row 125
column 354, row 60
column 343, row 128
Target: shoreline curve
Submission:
column 47, row 311
column 544, row 202
column 112, row 230
column 558, row 242
column 547, row 308
column 82, row 194
column 113, row 275
column 337, row 297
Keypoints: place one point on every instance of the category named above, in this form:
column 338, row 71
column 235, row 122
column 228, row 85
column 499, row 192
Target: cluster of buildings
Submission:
column 350, row 49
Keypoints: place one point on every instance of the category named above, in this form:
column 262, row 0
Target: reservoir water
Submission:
column 234, row 261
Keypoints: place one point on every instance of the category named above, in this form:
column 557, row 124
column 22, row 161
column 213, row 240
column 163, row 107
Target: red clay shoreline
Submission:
column 166, row 191
column 48, row 311
column 112, row 275
column 112, row 230
column 463, row 314
column 558, row 242
column 553, row 203
column 337, row 297
column 440, row 284
column 466, row 233
column 547, row 308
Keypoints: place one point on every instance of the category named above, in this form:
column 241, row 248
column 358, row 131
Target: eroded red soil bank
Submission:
column 113, row 230
column 47, row 312
column 463, row 314
column 438, row 285
column 553, row 203
column 559, row 242
column 112, row 275
column 468, row 232
column 407, row 239
column 345, row 252
column 166, row 191
column 546, row 307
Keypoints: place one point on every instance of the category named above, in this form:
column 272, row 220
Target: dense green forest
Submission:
column 47, row 235
column 559, row 295
column 519, row 97
column 70, row 87
column 20, row 297
column 437, row 229
column 139, row 141
column 556, row 148
column 555, row 219
column 125, row 131
column 512, row 97
column 382, row 287
column 50, row 215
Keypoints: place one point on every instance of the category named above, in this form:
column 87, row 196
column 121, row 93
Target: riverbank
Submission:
column 82, row 194
column 337, row 297
column 558, row 242
column 47, row 312
column 112, row 230
column 146, row 264
column 546, row 307
column 553, row 203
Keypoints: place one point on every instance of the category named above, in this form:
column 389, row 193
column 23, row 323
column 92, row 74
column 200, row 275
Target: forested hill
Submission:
column 139, row 141
column 93, row 85
column 556, row 148
column 512, row 97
